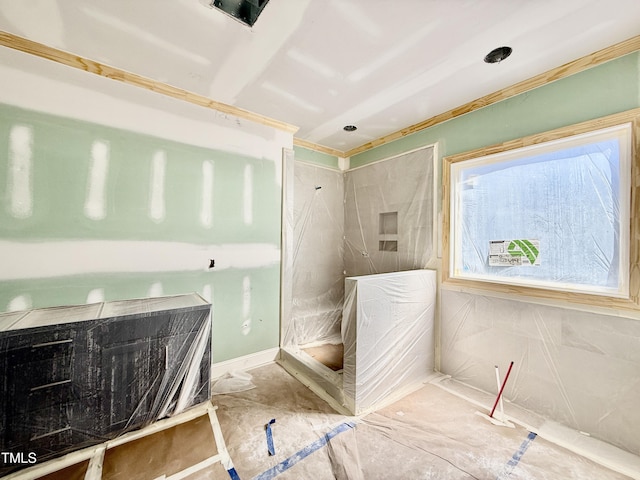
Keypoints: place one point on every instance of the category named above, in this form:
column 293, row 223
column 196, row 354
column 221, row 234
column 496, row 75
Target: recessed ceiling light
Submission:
column 349, row 128
column 498, row 54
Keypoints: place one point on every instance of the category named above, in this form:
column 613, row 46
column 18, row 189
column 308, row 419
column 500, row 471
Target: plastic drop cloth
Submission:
column 76, row 376
column 231, row 382
column 580, row 369
column 429, row 434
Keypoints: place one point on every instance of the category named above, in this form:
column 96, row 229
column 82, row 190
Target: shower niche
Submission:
column 358, row 298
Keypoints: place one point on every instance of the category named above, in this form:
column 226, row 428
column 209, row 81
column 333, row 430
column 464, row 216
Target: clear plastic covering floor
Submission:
column 429, row 434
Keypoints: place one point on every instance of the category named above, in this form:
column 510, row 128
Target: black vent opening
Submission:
column 246, row 11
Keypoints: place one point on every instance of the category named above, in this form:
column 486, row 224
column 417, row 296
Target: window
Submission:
column 547, row 215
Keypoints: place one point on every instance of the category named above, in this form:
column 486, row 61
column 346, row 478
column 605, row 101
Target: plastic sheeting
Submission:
column 388, row 335
column 373, row 219
column 76, row 376
column 581, row 369
column 570, row 202
column 389, row 215
column 318, row 277
column 43, row 317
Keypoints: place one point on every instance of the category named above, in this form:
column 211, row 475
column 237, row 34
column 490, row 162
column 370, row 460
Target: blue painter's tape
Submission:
column 513, row 462
column 270, row 446
column 305, row 452
column 233, row 474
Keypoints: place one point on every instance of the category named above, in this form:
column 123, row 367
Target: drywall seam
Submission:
column 19, row 175
column 157, row 208
column 95, row 296
column 207, row 207
column 247, row 196
column 95, row 203
column 246, row 305
column 155, row 290
column 26, row 260
column 21, row 302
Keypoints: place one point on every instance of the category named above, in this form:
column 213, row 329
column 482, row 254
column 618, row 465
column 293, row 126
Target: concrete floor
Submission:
column 430, row 434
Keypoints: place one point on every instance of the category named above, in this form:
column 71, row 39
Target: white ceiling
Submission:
column 321, row 64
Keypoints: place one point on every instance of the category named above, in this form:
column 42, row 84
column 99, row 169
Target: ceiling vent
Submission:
column 245, row 11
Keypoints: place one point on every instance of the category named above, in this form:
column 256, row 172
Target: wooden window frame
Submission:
column 632, row 301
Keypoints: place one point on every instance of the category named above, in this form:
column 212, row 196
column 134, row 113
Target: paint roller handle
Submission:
column 504, row 382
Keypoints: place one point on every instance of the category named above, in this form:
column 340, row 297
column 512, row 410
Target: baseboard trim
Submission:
column 246, row 362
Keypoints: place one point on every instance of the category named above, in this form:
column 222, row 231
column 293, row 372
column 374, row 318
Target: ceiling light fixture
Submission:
column 498, row 54
column 349, row 128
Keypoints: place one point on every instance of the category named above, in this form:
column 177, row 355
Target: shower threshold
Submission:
column 320, row 378
column 329, row 354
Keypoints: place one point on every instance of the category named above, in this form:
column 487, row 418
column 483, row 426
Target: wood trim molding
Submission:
column 318, row 148
column 25, row 45
column 630, row 303
column 568, row 69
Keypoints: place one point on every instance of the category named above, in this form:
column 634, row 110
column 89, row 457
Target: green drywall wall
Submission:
column 599, row 91
column 61, row 151
column 60, row 168
column 317, row 158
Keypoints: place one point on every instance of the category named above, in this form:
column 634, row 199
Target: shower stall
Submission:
column 358, row 298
